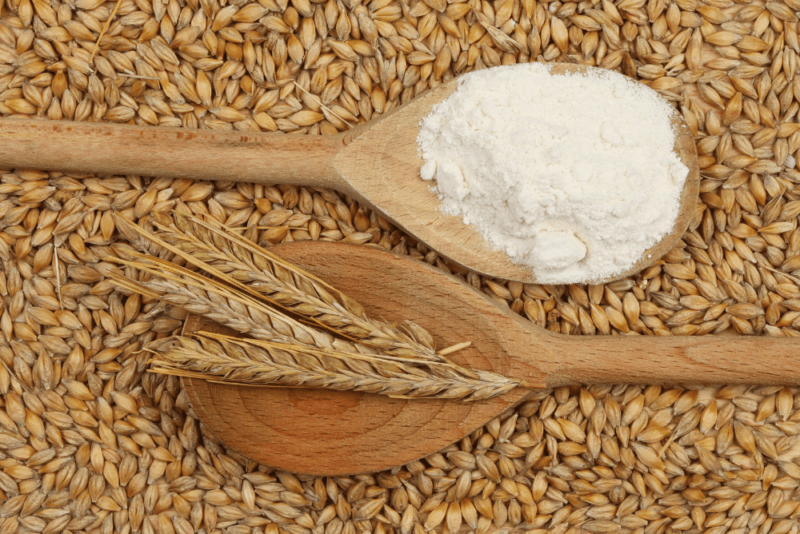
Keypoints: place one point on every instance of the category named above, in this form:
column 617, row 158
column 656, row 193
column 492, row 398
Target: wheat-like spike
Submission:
column 231, row 303
column 223, row 304
column 288, row 286
column 227, row 306
column 175, row 293
column 247, row 361
column 143, row 240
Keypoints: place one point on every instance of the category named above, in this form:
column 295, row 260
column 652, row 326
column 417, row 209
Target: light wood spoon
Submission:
column 376, row 163
column 325, row 432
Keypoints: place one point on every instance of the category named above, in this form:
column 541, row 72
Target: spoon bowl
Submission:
column 376, row 163
column 323, row 432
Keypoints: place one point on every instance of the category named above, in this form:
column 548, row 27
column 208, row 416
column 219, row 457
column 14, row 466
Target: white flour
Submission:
column 573, row 175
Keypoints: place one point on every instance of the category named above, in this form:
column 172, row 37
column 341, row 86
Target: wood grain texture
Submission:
column 337, row 433
column 377, row 163
column 172, row 152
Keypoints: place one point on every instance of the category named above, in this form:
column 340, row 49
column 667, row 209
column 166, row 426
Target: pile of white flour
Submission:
column 573, row 175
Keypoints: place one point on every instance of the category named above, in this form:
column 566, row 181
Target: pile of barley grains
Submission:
column 89, row 442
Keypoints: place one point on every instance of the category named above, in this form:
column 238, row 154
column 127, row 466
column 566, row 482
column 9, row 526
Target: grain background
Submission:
column 90, row 442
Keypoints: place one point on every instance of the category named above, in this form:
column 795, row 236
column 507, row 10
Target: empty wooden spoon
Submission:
column 336, row 433
column 376, row 163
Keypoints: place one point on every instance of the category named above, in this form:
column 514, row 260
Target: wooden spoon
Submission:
column 325, row 432
column 376, row 163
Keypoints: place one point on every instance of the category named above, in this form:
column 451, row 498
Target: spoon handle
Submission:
column 171, row 152
column 639, row 359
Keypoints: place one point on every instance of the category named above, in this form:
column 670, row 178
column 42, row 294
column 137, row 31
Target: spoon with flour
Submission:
column 377, row 163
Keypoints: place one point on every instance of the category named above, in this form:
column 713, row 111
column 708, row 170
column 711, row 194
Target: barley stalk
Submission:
column 228, row 302
column 289, row 287
column 217, row 302
column 245, row 361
